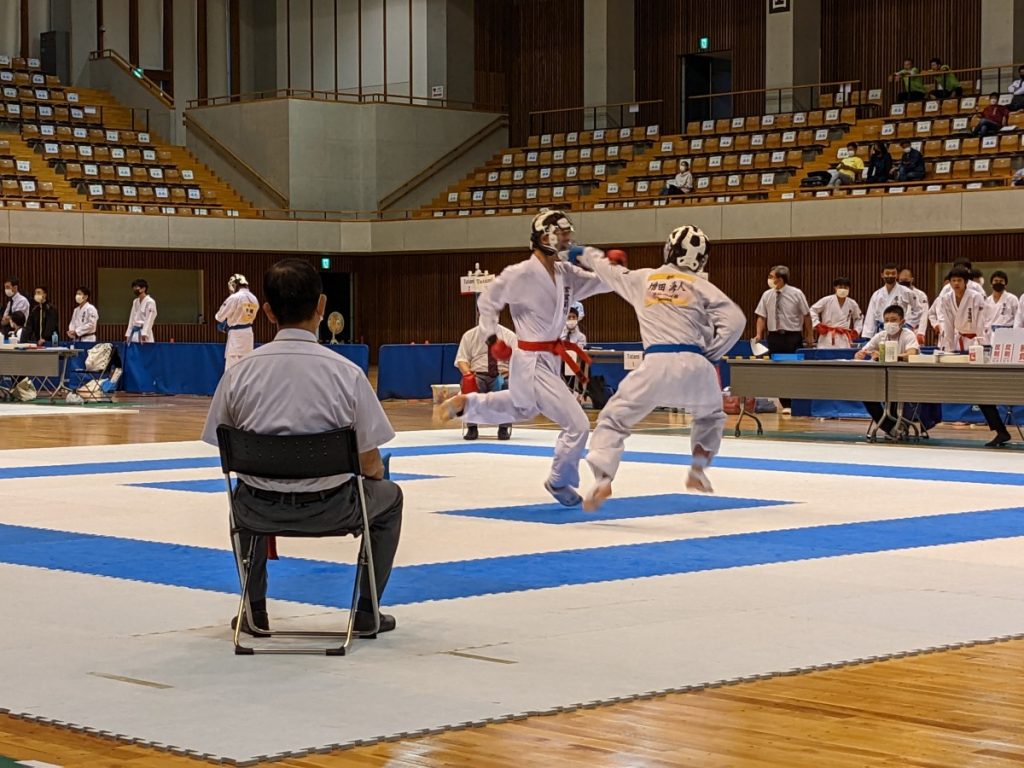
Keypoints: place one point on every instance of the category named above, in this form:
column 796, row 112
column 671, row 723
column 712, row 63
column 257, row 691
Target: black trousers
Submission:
column 784, row 342
column 487, row 383
column 340, row 511
column 991, row 414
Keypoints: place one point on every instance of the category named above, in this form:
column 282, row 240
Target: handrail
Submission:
column 711, row 98
column 543, row 114
column 154, row 90
column 443, row 162
column 343, row 96
column 895, row 77
column 235, row 161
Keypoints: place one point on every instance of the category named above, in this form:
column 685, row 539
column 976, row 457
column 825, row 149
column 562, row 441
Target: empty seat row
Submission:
column 710, row 145
column 515, row 195
column 27, row 188
column 143, row 192
column 29, row 79
column 757, row 123
column 39, row 205
column 74, row 172
column 637, row 133
column 546, row 175
column 10, row 167
column 571, row 156
column 167, row 210
column 94, row 136
column 793, row 158
column 19, row 63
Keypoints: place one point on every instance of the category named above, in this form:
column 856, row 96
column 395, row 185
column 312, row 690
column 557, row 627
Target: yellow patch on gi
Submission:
column 668, row 288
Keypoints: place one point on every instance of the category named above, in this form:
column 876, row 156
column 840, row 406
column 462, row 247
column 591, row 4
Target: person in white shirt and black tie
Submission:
column 783, row 318
column 482, row 371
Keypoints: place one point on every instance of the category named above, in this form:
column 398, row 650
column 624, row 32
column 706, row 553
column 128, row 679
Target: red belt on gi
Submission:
column 822, row 329
column 966, row 336
column 560, row 348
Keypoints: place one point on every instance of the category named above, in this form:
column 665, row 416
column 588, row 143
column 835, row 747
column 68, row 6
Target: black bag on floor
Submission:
column 598, row 392
column 816, row 179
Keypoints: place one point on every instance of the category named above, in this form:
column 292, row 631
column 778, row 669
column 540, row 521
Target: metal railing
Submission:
column 137, row 72
column 979, row 80
column 346, row 97
column 626, row 114
column 768, row 101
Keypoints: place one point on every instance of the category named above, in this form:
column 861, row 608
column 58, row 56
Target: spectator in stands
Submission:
column 783, row 318
column 143, row 316
column 911, row 82
column 849, row 170
column 906, row 345
column 1017, row 91
column 16, row 302
column 84, row 319
column 682, row 182
column 911, row 167
column 993, row 117
column 879, row 164
column 947, row 85
column 42, row 323
column 16, row 325
column 482, row 371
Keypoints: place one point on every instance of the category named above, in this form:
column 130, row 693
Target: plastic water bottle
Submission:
column 55, row 340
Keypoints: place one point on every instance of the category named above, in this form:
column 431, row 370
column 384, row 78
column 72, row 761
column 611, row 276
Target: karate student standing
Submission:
column 890, row 294
column 1003, row 306
column 143, row 316
column 539, row 293
column 84, row 319
column 686, row 324
column 235, row 317
column 836, row 318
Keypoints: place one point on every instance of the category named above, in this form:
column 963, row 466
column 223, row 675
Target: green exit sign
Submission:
column 704, row 43
column 325, row 263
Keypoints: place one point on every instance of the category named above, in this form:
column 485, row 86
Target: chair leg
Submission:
column 368, row 552
column 244, row 609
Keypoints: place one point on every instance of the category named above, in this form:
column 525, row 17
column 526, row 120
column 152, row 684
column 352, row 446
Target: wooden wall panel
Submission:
column 406, row 298
column 868, row 39
column 528, row 55
column 665, row 30
column 62, row 270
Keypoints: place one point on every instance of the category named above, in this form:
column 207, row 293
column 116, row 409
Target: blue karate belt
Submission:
column 663, row 349
column 225, row 328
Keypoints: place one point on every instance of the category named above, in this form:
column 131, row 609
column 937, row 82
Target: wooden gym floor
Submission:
column 933, row 710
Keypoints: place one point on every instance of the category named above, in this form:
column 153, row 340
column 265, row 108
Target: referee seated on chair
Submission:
column 293, row 386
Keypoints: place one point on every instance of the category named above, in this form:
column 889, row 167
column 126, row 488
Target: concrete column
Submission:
column 1002, row 41
column 115, row 22
column 792, row 55
column 608, row 53
column 258, row 46
column 186, row 64
column 83, row 36
column 448, row 59
column 217, row 47
column 151, row 34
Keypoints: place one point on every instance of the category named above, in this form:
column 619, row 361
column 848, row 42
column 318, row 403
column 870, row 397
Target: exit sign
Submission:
column 704, row 43
column 325, row 263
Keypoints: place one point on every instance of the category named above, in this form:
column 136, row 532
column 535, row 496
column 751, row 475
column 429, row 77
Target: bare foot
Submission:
column 696, row 480
column 449, row 410
column 597, row 495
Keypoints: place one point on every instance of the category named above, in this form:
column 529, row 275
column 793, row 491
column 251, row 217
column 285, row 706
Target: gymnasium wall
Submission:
column 664, row 30
column 529, row 55
column 868, row 39
column 401, row 298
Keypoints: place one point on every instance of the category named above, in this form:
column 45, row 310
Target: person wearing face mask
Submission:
column 42, row 322
column 143, row 315
column 783, row 318
column 15, row 302
column 483, row 372
column 572, row 331
column 17, row 325
column 836, row 318
column 947, row 289
column 917, row 314
column 539, row 292
column 889, row 294
column 965, row 315
column 235, row 317
column 905, row 340
column 84, row 319
column 1003, row 306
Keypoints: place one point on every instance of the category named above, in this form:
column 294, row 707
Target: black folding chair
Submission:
column 294, row 457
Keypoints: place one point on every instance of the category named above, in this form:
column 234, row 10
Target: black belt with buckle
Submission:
column 284, row 497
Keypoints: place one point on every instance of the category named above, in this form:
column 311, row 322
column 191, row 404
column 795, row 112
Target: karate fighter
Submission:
column 686, row 323
column 538, row 292
column 891, row 293
column 235, row 317
column 1003, row 306
column 836, row 318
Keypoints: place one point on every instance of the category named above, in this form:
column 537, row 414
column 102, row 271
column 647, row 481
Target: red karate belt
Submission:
column 849, row 333
column 966, row 336
column 560, row 348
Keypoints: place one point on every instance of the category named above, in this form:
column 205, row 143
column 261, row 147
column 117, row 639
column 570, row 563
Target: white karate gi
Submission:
column 141, row 320
column 827, row 311
column 918, row 308
column 539, row 306
column 960, row 321
column 1019, row 323
column 1002, row 312
column 238, row 312
column 83, row 323
column 673, row 307
column 881, row 300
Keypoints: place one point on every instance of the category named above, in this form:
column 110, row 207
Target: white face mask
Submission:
column 571, row 324
column 9, row 292
column 771, row 283
column 842, row 293
column 39, row 298
column 79, row 298
column 893, row 328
